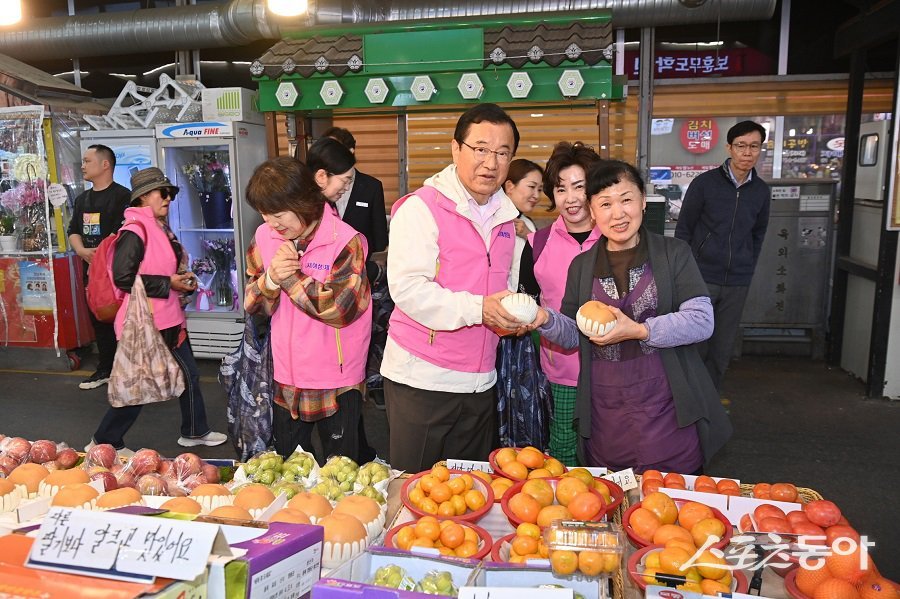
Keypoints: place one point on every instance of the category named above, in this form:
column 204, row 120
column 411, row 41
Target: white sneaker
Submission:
column 122, row 453
column 210, row 439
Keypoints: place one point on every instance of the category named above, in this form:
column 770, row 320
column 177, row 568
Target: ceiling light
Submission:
column 10, row 12
column 287, row 8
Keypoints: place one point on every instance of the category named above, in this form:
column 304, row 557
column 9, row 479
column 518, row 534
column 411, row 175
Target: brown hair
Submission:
column 564, row 155
column 284, row 184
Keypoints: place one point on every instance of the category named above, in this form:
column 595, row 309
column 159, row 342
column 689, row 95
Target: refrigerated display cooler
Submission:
column 135, row 149
column 211, row 163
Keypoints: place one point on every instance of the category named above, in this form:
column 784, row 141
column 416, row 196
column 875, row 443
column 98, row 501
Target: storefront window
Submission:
column 813, row 147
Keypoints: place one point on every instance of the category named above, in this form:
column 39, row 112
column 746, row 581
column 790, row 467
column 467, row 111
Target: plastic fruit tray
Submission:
column 739, row 582
column 485, row 542
column 492, row 459
column 469, row 516
column 638, row 542
column 516, row 488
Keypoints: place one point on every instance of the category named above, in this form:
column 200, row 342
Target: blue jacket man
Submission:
column 724, row 217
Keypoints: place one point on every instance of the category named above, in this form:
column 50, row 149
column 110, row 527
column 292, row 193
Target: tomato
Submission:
column 768, row 511
column 822, row 512
column 809, row 529
column 840, row 531
column 783, row 492
column 772, row 524
column 796, row 516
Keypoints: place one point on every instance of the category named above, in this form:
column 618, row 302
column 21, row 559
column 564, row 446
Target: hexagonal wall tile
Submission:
column 377, row 90
column 470, row 86
column 570, row 83
column 422, row 88
column 519, row 84
column 287, row 94
column 331, row 93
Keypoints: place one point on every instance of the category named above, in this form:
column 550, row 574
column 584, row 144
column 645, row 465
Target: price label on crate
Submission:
column 469, row 466
column 624, row 478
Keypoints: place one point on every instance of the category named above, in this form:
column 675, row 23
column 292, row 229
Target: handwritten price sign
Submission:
column 124, row 547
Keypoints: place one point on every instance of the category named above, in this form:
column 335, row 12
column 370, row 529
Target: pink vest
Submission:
column 159, row 259
column 463, row 265
column 306, row 352
column 550, row 271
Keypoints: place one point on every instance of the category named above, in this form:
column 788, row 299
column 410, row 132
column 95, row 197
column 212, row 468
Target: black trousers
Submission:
column 117, row 421
column 338, row 433
column 429, row 426
column 728, row 306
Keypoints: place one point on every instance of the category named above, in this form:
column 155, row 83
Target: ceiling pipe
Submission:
column 626, row 13
column 241, row 22
column 214, row 25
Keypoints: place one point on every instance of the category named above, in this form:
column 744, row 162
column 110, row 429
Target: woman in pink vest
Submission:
column 543, row 269
column 146, row 246
column 307, row 271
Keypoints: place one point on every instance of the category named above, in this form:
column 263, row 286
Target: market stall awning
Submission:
column 19, row 78
column 537, row 59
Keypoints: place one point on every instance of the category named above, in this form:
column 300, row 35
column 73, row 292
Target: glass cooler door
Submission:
column 202, row 217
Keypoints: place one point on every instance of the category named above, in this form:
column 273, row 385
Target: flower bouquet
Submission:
column 210, row 176
column 204, row 269
column 221, row 252
column 27, row 201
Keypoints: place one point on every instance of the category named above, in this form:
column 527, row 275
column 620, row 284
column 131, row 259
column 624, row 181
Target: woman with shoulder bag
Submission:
column 147, row 247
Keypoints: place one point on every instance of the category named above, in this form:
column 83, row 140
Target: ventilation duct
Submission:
column 626, row 13
column 241, row 22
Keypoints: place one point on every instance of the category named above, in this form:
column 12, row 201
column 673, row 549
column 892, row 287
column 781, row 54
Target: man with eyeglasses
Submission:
column 98, row 213
column 724, row 217
column 451, row 248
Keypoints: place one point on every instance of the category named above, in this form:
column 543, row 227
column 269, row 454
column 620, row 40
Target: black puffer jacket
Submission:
column 725, row 225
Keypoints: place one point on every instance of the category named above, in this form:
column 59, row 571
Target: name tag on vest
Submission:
column 503, row 234
column 363, row 204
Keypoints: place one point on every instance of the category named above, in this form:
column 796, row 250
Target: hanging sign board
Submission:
column 194, row 130
column 124, row 547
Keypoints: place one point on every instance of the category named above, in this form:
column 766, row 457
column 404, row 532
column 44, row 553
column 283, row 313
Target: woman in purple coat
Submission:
column 644, row 399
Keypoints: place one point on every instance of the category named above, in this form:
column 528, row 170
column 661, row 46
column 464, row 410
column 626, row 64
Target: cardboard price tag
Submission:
column 513, row 593
column 470, row 465
column 624, row 478
column 123, row 546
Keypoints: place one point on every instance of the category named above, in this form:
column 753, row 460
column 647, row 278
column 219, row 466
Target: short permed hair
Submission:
column 285, row 184
column 564, row 155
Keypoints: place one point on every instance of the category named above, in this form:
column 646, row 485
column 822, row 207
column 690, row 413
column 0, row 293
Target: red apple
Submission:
column 187, row 464
column 7, row 465
column 210, row 472
column 123, row 476
column 67, row 458
column 152, row 484
column 108, row 478
column 144, row 461
column 17, row 448
column 92, row 470
column 42, row 451
column 174, row 487
column 165, row 468
column 193, row 481
column 101, row 455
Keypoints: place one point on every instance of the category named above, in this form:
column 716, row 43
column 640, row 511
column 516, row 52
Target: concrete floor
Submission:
column 795, row 420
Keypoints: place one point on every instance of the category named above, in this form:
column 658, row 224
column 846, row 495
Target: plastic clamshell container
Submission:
column 603, row 538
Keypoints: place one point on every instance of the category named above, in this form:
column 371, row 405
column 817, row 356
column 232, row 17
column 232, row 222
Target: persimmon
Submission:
column 568, row 488
column 552, row 512
column 671, row 531
column 531, row 458
column 474, row 499
column 563, row 562
column 662, row 505
column 706, row 528
column 591, row 563
column 644, row 523
column 713, row 587
column 517, row 470
column 585, row 506
column 541, row 490
column 783, row 492
column 524, row 507
column 651, row 475
column 440, row 493
column 428, row 529
column 524, row 545
column 835, row 588
column 673, row 478
column 705, row 484
column 452, row 535
column 692, row 512
column 467, row 549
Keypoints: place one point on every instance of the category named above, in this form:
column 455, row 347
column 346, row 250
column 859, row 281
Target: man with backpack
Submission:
column 98, row 213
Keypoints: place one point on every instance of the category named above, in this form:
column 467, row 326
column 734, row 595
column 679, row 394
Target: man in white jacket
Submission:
column 451, row 252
